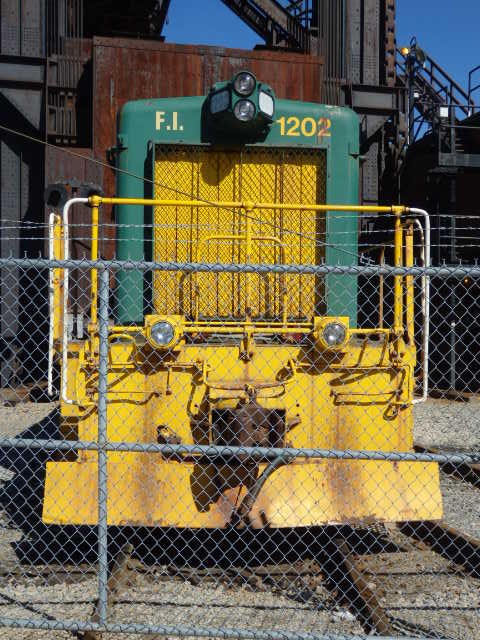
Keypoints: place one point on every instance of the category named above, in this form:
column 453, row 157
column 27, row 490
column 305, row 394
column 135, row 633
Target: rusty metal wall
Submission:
column 74, row 171
column 62, row 167
column 126, row 70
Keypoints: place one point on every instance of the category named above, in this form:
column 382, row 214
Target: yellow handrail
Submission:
column 94, row 255
column 397, row 280
column 352, row 208
column 248, row 206
column 409, row 288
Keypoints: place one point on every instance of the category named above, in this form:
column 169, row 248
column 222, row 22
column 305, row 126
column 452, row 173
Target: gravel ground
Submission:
column 448, row 423
column 453, row 426
column 14, row 420
column 179, row 603
column 421, row 591
column 461, row 505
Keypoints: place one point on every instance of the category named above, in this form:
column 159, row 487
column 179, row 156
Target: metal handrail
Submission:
column 432, row 76
column 397, row 210
column 472, row 89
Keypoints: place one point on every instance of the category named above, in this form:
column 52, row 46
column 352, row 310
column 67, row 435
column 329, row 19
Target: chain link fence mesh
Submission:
column 251, row 479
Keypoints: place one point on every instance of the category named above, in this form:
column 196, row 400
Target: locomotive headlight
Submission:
column 165, row 332
column 244, row 83
column 334, row 334
column 241, row 109
column 162, row 333
column 266, row 104
column 244, row 110
column 220, row 101
column 331, row 333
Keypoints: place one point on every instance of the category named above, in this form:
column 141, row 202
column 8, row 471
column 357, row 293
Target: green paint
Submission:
column 146, row 121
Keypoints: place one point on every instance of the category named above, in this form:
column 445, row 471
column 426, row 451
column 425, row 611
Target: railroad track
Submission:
column 394, row 580
column 425, row 553
column 369, row 571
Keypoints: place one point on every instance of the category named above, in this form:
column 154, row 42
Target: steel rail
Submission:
column 468, row 472
column 52, row 221
column 426, row 303
column 451, row 543
column 365, row 601
column 250, row 205
column 66, row 255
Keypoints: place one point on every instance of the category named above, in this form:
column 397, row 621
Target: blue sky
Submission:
column 448, row 31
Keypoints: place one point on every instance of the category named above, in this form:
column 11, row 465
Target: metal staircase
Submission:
column 356, row 39
column 280, row 25
column 439, row 106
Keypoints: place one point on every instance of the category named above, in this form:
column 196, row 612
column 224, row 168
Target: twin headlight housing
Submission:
column 244, row 83
column 241, row 102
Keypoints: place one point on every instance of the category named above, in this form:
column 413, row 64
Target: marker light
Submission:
column 244, row 110
column 266, row 104
column 219, row 101
column 244, row 83
column 162, row 333
column 334, row 334
column 405, row 51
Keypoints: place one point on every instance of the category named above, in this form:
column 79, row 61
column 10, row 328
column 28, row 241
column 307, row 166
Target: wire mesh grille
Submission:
column 219, row 234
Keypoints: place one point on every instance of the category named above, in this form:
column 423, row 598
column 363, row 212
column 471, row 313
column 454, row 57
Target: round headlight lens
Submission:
column 162, row 333
column 244, row 83
column 244, row 110
column 334, row 334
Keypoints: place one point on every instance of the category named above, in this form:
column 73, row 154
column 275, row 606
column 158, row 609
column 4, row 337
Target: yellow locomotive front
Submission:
column 248, row 365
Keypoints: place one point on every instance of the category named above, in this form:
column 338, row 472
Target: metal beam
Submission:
column 21, row 70
column 160, row 14
column 471, row 160
column 270, row 20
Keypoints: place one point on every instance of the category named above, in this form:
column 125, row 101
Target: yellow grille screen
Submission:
column 191, row 234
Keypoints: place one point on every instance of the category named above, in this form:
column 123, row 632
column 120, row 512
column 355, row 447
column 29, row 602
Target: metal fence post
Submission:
column 453, row 355
column 103, row 295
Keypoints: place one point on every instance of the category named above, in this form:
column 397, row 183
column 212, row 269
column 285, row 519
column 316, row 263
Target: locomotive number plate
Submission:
column 308, row 127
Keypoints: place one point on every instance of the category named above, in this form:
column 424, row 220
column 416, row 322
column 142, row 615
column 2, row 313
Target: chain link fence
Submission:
column 252, row 459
